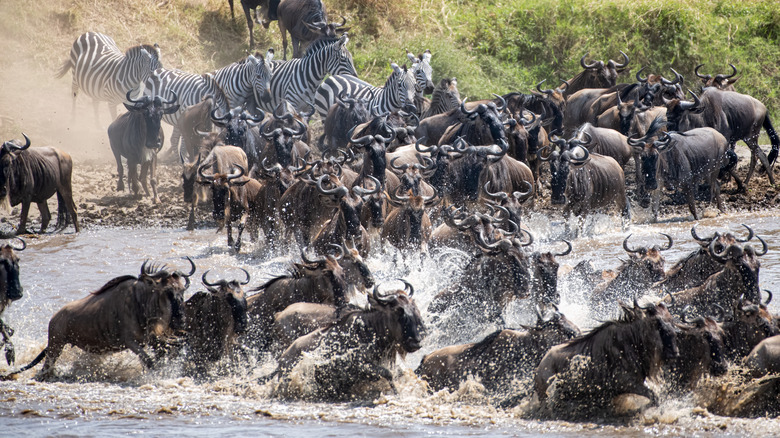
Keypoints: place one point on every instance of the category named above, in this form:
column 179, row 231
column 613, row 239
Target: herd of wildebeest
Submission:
column 417, row 174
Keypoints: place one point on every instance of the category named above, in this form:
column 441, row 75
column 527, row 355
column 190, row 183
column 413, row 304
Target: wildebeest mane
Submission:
column 479, row 349
column 113, row 283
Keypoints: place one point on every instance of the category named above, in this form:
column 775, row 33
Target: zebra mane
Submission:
column 320, row 44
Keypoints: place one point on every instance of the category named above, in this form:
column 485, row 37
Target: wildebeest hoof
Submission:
column 10, row 353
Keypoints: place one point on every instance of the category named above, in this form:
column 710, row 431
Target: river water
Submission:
column 110, row 395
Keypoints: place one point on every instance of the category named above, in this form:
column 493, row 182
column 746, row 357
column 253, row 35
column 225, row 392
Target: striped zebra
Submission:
column 397, row 93
column 191, row 89
column 104, row 73
column 423, row 72
column 247, row 81
column 445, row 97
column 296, row 80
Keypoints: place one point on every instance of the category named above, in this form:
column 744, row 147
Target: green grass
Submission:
column 491, row 46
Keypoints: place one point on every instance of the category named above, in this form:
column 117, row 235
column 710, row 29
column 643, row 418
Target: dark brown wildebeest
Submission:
column 695, row 268
column 300, row 319
column 306, row 20
column 702, row 351
column 137, row 136
column 239, row 128
column 126, row 313
column 544, row 276
column 324, row 280
column 360, row 346
column 10, row 291
column 461, row 229
column 408, row 226
column 764, row 358
column 737, row 279
column 720, row 81
column 746, row 327
column 679, row 161
column 616, row 358
column 34, row 175
column 634, row 277
column 498, row 359
column 585, row 182
column 345, row 224
column 225, row 164
column 213, row 320
column 735, row 116
column 342, row 116
column 489, row 282
column 597, row 74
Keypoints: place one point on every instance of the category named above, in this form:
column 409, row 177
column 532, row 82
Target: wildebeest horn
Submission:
column 625, row 245
column 192, row 264
column 10, row 146
column 639, row 78
column 530, row 236
column 402, row 167
column 376, row 296
column 501, row 107
column 538, row 88
column 720, row 257
column 624, row 64
column 701, row 239
column 522, row 196
column 173, row 99
column 310, row 261
column 408, row 287
column 309, row 113
column 248, row 277
column 764, row 247
column 498, row 195
column 768, row 297
column 340, row 254
column 568, row 250
column 539, row 153
column 24, row 245
column 234, row 175
column 362, row 141
column 587, row 66
column 677, row 78
column 365, row 192
column 420, row 148
column 144, row 100
column 205, row 281
column 214, row 115
column 280, row 106
column 539, row 316
column 463, row 108
column 669, row 238
column 580, row 161
column 750, row 234
column 339, row 191
column 696, row 72
column 205, row 177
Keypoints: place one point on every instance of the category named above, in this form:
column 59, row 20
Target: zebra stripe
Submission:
column 445, row 97
column 423, row 72
column 296, row 80
column 191, row 89
column 396, row 94
column 103, row 72
column 246, row 79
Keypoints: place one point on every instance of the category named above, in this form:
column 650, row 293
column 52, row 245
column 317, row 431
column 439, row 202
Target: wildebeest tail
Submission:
column 35, row 361
column 63, row 69
column 770, row 131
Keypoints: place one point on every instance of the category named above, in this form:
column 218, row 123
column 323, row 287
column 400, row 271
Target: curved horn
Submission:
column 205, row 177
column 408, row 287
column 625, row 63
column 696, row 72
column 719, row 257
column 502, row 107
column 498, row 195
column 365, row 192
column 701, row 239
column 205, row 281
column 764, row 247
column 587, row 66
column 464, row 110
column 568, row 250
column 669, row 238
column 214, row 115
column 129, row 99
column 625, row 245
column 677, row 78
column 340, row 254
column 192, row 265
column 734, row 72
column 639, row 78
column 750, row 234
column 241, row 172
column 402, row 167
column 11, row 146
column 768, row 297
column 308, row 261
column 539, row 89
column 308, row 114
column 248, row 277
column 173, row 99
column 339, row 191
column 539, row 316
column 522, row 196
column 24, row 245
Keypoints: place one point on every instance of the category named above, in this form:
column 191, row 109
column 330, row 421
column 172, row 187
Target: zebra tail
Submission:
column 35, row 361
column 63, row 69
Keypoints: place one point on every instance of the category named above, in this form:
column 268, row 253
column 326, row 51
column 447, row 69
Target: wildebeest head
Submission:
column 655, row 87
column 597, row 74
column 649, row 153
column 151, row 111
column 233, row 294
column 704, row 329
column 7, row 156
column 345, row 269
column 505, row 266
column 746, row 327
column 554, row 325
column 561, row 163
column 412, row 208
column 743, row 260
column 403, row 321
column 281, row 132
column 648, row 261
column 721, row 81
column 373, row 202
column 474, row 161
column 513, row 204
column 167, row 292
column 237, row 123
column 220, row 187
column 678, row 109
column 667, row 330
column 374, row 137
column 545, row 276
column 348, row 202
column 10, row 287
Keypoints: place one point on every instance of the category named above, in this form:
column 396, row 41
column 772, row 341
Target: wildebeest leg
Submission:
column 145, row 176
column 375, row 372
column 7, row 332
column 133, row 346
column 153, row 179
column 132, row 179
column 756, row 152
column 656, row 201
column 229, row 225
column 249, row 23
column 120, row 170
column 43, row 208
column 241, row 226
column 66, row 208
column 691, row 197
column 715, row 190
column 191, row 220
column 22, row 229
column 53, row 352
column 283, row 31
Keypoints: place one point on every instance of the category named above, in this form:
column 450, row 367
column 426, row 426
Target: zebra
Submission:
column 397, row 93
column 191, row 89
column 296, row 80
column 445, row 97
column 104, row 73
column 247, row 81
column 423, row 73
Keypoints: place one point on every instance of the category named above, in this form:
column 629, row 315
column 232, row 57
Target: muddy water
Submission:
column 110, row 395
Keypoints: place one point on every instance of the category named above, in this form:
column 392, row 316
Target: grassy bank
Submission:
column 489, row 45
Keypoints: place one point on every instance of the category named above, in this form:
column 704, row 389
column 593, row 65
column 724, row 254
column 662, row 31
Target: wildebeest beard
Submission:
column 238, row 309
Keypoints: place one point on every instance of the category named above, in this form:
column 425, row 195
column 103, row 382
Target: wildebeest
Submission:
column 634, row 277
column 325, row 280
column 225, row 164
column 544, row 276
column 615, row 358
column 585, row 182
column 10, row 290
column 306, row 20
column 128, row 312
column 213, row 319
column 721, row 81
column 345, row 224
column 679, row 161
column 597, row 74
column 342, row 116
column 499, row 358
column 746, row 326
column 360, row 347
column 300, row 319
column 702, row 351
column 408, row 226
column 764, row 358
column 137, row 136
column 34, row 175
column 735, row 116
column 240, row 130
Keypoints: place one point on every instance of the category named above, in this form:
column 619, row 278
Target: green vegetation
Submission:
column 489, row 45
